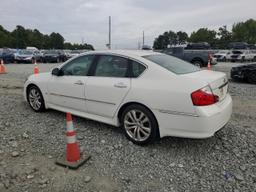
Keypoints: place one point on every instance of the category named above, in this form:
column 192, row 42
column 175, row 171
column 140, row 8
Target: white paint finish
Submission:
column 210, row 120
column 104, row 94
column 157, row 88
column 67, row 91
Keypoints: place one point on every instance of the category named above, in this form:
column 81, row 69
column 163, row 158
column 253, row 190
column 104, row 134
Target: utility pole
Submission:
column 143, row 39
column 109, row 35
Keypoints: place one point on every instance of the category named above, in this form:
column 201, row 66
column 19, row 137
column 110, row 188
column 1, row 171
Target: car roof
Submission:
column 128, row 53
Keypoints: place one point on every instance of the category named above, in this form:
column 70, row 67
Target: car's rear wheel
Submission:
column 252, row 77
column 139, row 124
column 35, row 99
column 197, row 63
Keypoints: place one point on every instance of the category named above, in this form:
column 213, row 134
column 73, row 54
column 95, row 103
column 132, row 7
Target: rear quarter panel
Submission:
column 161, row 90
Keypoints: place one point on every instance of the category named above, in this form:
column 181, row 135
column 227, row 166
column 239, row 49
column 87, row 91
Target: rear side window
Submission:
column 137, row 69
column 172, row 64
column 111, row 66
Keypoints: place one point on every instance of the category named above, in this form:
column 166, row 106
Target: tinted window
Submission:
column 137, row 69
column 111, row 66
column 79, row 66
column 172, row 64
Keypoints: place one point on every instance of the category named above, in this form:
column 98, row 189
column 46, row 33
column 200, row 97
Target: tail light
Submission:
column 203, row 97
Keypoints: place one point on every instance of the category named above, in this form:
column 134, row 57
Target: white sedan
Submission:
column 148, row 94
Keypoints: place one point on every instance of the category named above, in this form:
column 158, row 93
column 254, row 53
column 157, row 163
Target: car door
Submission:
column 68, row 90
column 108, row 85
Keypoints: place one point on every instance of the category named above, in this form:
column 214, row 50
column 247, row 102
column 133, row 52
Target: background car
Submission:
column 148, row 94
column 7, row 55
column 222, row 55
column 242, row 56
column 198, row 57
column 74, row 53
column 51, row 56
column 245, row 73
column 27, row 56
column 238, row 45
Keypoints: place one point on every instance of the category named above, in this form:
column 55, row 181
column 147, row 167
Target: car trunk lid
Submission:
column 217, row 81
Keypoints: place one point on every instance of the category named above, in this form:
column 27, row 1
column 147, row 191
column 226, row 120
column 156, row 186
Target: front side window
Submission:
column 172, row 64
column 79, row 66
column 111, row 66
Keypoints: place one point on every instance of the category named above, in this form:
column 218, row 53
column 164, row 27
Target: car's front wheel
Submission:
column 35, row 99
column 139, row 124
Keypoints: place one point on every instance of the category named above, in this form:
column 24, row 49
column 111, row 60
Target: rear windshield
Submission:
column 172, row 64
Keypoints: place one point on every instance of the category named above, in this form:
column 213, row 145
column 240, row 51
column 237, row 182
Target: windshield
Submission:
column 26, row 52
column 172, row 64
column 237, row 52
column 51, row 52
column 222, row 52
column 75, row 51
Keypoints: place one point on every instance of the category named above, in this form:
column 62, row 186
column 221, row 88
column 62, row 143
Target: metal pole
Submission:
column 109, row 35
column 143, row 39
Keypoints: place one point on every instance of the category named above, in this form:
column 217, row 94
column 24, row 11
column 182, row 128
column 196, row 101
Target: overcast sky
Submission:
column 88, row 19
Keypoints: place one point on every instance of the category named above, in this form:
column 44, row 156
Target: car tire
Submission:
column 35, row 99
column 139, row 124
column 251, row 78
column 197, row 63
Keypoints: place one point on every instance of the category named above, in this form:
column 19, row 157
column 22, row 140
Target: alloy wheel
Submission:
column 137, row 125
column 35, row 99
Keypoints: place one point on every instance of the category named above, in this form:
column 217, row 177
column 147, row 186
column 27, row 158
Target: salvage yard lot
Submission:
column 30, row 142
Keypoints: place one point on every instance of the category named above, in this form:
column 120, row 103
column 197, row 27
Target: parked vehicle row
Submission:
column 31, row 54
column 235, row 55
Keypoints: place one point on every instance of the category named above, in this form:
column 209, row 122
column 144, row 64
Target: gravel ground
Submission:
column 30, row 142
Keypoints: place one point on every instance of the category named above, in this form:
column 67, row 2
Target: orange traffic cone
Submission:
column 36, row 69
column 73, row 159
column 73, row 152
column 2, row 67
column 209, row 65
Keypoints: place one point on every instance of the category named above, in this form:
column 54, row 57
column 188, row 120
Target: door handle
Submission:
column 120, row 85
column 79, row 83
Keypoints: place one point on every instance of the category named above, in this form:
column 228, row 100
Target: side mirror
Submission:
column 57, row 72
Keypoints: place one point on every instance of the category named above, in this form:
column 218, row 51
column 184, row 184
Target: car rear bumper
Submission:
column 206, row 121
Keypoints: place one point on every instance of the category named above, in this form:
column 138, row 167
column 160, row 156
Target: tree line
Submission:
column 21, row 38
column 241, row 32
